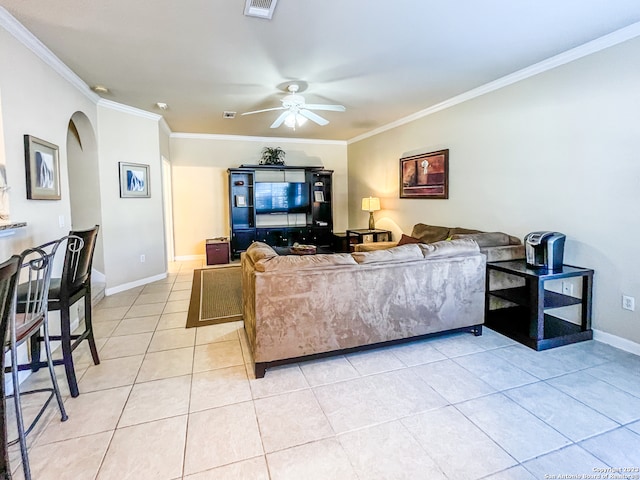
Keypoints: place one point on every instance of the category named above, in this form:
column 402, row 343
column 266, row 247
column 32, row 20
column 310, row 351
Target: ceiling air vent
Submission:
column 260, row 8
column 229, row 114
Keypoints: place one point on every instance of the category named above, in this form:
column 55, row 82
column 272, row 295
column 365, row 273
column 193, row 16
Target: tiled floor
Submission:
column 171, row 403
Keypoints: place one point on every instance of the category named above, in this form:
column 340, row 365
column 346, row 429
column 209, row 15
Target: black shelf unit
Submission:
column 528, row 320
column 317, row 229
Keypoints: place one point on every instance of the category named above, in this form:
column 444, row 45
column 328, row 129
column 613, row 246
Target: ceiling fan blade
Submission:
column 332, row 108
column 265, row 110
column 280, row 119
column 313, row 117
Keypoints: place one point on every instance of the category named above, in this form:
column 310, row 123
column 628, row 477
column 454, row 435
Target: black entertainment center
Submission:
column 279, row 205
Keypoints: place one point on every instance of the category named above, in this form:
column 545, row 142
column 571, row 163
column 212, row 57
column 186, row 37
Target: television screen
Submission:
column 279, row 197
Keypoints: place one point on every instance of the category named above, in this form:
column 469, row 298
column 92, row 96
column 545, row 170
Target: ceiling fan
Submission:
column 296, row 111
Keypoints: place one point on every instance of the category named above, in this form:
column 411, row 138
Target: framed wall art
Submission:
column 42, row 169
column 425, row 175
column 134, row 180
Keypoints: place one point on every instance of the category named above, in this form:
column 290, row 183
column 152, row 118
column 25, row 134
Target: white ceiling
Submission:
column 382, row 60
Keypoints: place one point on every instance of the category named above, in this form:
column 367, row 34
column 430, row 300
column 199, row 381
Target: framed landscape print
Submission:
column 425, row 175
column 42, row 169
column 134, row 180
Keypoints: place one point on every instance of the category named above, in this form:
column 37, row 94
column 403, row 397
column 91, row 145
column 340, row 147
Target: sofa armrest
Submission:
column 371, row 246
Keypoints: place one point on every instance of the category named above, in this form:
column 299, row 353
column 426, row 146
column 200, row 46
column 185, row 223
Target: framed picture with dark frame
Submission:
column 134, row 180
column 425, row 175
column 42, row 167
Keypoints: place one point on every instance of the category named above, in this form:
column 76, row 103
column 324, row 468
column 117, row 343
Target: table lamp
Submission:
column 371, row 204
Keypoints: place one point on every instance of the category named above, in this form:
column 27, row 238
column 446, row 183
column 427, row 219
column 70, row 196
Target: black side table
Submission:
column 528, row 321
column 377, row 235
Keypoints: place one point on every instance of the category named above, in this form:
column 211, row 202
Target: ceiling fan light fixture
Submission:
column 294, row 119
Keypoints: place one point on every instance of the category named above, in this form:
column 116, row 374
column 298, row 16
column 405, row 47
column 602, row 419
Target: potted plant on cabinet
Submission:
column 272, row 156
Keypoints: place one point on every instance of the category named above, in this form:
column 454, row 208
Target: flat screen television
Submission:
column 282, row 197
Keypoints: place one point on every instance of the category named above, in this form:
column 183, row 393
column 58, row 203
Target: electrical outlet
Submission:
column 142, row 259
column 567, row 288
column 628, row 303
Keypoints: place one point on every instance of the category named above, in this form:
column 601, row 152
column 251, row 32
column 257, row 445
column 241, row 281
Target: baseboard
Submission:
column 186, row 258
column 616, row 341
column 130, row 285
column 98, row 276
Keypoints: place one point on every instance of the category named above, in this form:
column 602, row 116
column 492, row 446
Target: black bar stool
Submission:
column 73, row 285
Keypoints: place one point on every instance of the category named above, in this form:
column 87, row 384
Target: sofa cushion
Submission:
column 462, row 231
column 485, row 239
column 449, row 248
column 401, row 253
column 406, row 239
column 300, row 262
column 429, row 233
column 258, row 250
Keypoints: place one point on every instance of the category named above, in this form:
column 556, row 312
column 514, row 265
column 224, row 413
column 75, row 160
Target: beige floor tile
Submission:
column 218, row 333
column 179, row 295
column 130, row 326
column 145, row 310
column 287, row 378
column 75, row 459
column 217, row 355
column 108, row 314
column 124, row 299
column 254, row 469
column 82, row 358
column 152, row 451
column 110, row 373
column 41, row 379
column 166, row 364
column 237, row 437
column 185, row 277
column 89, row 413
column 172, row 320
column 153, row 288
column 155, row 400
column 319, row 460
column 216, row 388
column 182, row 286
column 104, row 329
column 126, row 346
column 147, row 298
column 177, row 306
column 389, row 451
column 174, row 338
column 291, row 419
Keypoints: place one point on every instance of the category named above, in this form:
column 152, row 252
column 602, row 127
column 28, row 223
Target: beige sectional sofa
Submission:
column 496, row 246
column 308, row 306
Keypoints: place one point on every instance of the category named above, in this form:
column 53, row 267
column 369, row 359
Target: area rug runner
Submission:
column 216, row 296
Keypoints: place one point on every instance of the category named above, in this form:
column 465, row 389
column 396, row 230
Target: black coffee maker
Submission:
column 544, row 250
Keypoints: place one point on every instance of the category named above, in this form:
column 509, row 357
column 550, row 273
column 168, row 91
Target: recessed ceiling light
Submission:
column 100, row 89
column 162, row 106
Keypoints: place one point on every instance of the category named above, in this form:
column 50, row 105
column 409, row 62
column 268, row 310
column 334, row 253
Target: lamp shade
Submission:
column 371, row 204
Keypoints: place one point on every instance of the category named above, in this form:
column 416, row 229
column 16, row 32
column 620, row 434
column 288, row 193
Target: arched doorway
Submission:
column 84, row 180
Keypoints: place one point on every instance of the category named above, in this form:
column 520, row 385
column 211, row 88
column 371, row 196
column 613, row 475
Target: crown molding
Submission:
column 121, row 107
column 594, row 46
column 213, row 136
column 26, row 38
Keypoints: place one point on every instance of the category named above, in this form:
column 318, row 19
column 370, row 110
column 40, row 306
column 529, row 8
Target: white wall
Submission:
column 200, row 190
column 558, row 151
column 39, row 102
column 131, row 226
